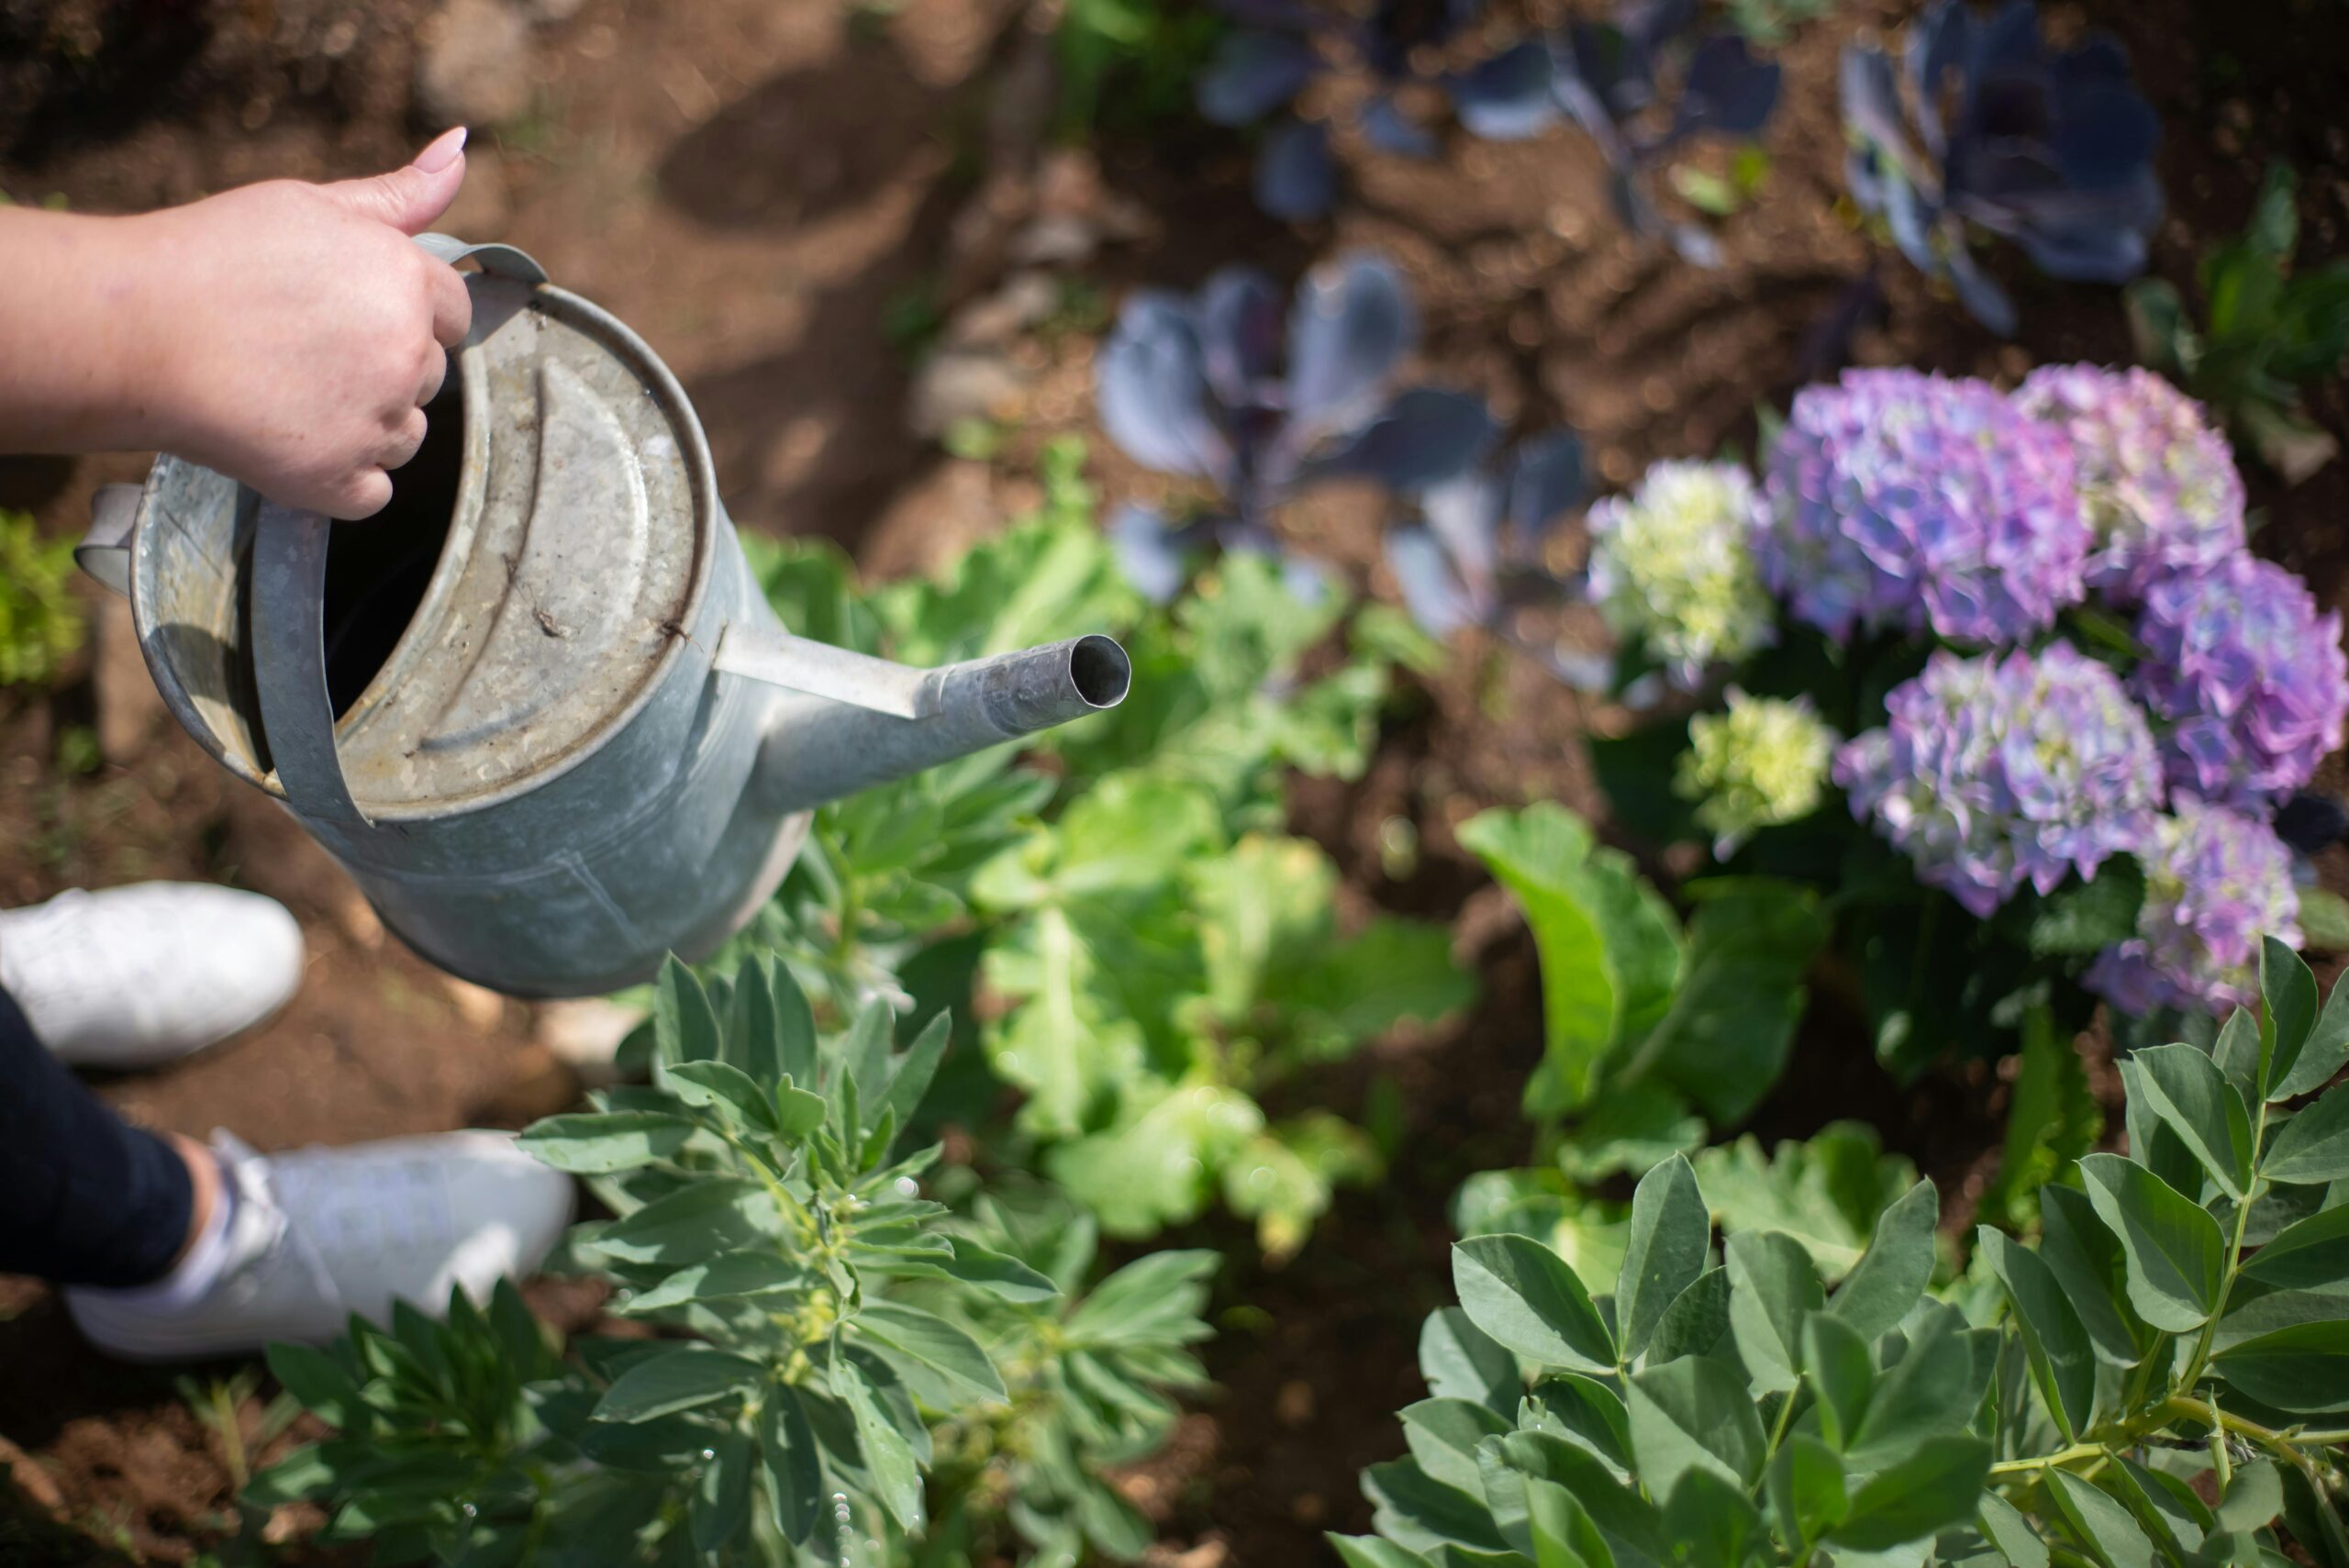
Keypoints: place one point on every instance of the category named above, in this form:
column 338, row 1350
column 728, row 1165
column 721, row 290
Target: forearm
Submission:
column 79, row 314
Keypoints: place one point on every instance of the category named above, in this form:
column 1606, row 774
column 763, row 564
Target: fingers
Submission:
column 453, row 304
column 406, row 439
column 411, row 198
column 436, row 372
column 363, row 494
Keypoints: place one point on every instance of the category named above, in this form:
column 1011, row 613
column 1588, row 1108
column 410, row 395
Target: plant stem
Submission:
column 2235, row 1258
column 1778, row 1434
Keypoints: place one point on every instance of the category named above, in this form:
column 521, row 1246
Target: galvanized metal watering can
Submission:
column 537, row 708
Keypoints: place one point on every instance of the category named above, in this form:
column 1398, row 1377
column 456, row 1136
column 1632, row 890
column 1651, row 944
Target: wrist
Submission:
column 86, row 326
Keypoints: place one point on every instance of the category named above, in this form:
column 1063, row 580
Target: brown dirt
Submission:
column 757, row 188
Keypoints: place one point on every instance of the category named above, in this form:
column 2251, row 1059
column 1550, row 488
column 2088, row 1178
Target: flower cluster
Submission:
column 2215, row 882
column 1673, row 565
column 2006, row 769
column 1911, row 501
column 2157, row 484
column 2251, row 678
column 1760, row 763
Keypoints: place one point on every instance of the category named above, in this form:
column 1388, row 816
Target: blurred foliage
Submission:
column 1127, row 64
column 40, row 623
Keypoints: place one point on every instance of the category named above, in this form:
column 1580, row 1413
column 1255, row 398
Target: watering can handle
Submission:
column 289, row 642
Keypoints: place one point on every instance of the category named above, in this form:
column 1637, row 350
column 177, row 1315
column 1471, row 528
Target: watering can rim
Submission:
column 583, row 314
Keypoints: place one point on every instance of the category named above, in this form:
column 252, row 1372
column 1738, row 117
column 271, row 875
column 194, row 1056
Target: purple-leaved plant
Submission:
column 2007, row 769
column 1911, row 502
column 2216, row 880
column 2157, row 482
column 2251, row 678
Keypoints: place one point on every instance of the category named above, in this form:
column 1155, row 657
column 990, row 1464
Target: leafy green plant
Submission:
column 2163, row 1379
column 807, row 1305
column 1147, row 948
column 1125, row 64
column 2268, row 331
column 41, row 626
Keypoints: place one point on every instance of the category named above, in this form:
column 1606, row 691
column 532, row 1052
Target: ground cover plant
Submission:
column 2159, row 1378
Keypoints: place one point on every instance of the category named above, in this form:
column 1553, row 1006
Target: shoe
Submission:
column 130, row 976
column 317, row 1234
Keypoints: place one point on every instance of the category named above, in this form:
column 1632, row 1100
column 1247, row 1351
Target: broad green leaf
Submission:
column 725, row 1277
column 1826, row 1191
column 797, row 1112
column 2087, row 1260
column 1899, row 1265
column 888, row 1457
column 2326, row 1053
column 1610, row 949
column 319, row 1381
column 2301, row 1369
column 691, row 1225
column 2164, row 1515
column 2062, row 1363
column 1841, row 1371
column 2102, row 1524
column 1724, row 1038
column 2312, row 1255
column 720, row 1511
column 2237, row 1051
column 1693, row 1413
column 2287, row 991
column 2186, row 1089
column 1771, row 1289
column 1563, row 1534
column 1671, row 1234
column 1632, row 1527
column 2012, row 1533
column 934, row 1343
column 2082, row 919
column 1460, row 1361
column 1713, row 1520
column 1371, row 1552
column 1935, row 1487
column 1696, row 1321
column 2255, row 1497
column 982, row 1267
column 794, row 1466
column 1423, row 1514
column 1585, row 1412
column 1807, row 1489
column 598, row 1145
column 910, row 1077
column 1154, row 1165
column 1523, row 1295
column 679, row 1379
column 1153, row 1301
column 718, row 1087
column 683, row 1021
column 1931, row 1391
column 1444, row 1434
column 305, row 1472
column 2315, row 1145
column 2175, row 1256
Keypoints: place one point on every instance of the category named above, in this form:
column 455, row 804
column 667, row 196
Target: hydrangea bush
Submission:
column 2075, row 700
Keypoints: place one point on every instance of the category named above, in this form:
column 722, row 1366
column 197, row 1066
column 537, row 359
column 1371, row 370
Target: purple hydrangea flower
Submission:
column 2006, row 769
column 2253, row 680
column 2157, row 482
column 2216, row 882
column 1911, row 501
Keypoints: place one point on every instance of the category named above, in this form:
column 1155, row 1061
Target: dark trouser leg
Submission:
column 85, row 1198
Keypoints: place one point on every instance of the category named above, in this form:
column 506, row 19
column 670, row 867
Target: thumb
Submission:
column 411, row 198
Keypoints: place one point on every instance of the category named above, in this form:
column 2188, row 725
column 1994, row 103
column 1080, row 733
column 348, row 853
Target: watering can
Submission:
column 537, row 708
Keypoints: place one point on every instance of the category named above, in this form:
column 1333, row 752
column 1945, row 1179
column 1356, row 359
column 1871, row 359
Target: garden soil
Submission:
column 786, row 196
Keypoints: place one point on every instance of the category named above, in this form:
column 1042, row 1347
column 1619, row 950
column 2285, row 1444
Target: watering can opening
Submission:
column 378, row 570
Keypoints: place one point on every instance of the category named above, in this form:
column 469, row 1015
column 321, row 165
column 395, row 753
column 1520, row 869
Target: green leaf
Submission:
column 1807, row 1489
column 1583, row 1412
column 2012, row 1533
column 2081, row 919
column 2315, row 1145
column 888, row 1456
column 1899, row 1265
column 305, row 1472
column 2186, row 1089
column 721, row 1502
column 1671, row 1233
column 1771, row 1289
column 793, row 1465
column 1931, row 1391
column 1826, row 1191
column 1460, row 1361
column 673, row 1380
column 2287, row 994
column 727, row 1277
column 797, row 1111
column 1444, row 1435
column 1839, row 1368
column 1563, row 1535
column 934, row 1343
column 2326, row 1053
column 1370, row 1551
column 2175, row 1256
column 2052, row 1120
column 2087, row 1259
column 2102, row 1524
column 1609, row 947
column 2303, row 1368
column 319, row 1381
column 1713, row 1520
column 1422, row 1512
column 912, row 1073
column 726, row 1089
column 691, row 1225
column 598, row 1145
column 2063, row 1365
column 1523, row 1295
column 1724, row 1038
column 1696, row 1321
column 2255, row 1497
column 1693, row 1413
column 2312, row 1255
column 981, row 1267
column 683, row 1021
column 2237, row 1052
column 1935, row 1487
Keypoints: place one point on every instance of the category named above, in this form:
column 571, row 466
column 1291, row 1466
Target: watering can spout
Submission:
column 850, row 720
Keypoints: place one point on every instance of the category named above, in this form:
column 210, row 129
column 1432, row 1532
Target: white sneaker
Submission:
column 314, row 1234
column 129, row 977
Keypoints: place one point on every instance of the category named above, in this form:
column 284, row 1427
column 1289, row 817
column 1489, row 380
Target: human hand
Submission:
column 288, row 334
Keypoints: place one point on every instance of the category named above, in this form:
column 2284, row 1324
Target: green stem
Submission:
column 2202, row 1342
column 1778, row 1433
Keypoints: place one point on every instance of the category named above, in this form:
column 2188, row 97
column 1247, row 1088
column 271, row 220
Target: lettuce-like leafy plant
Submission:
column 41, row 626
column 2162, row 1378
column 812, row 1316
